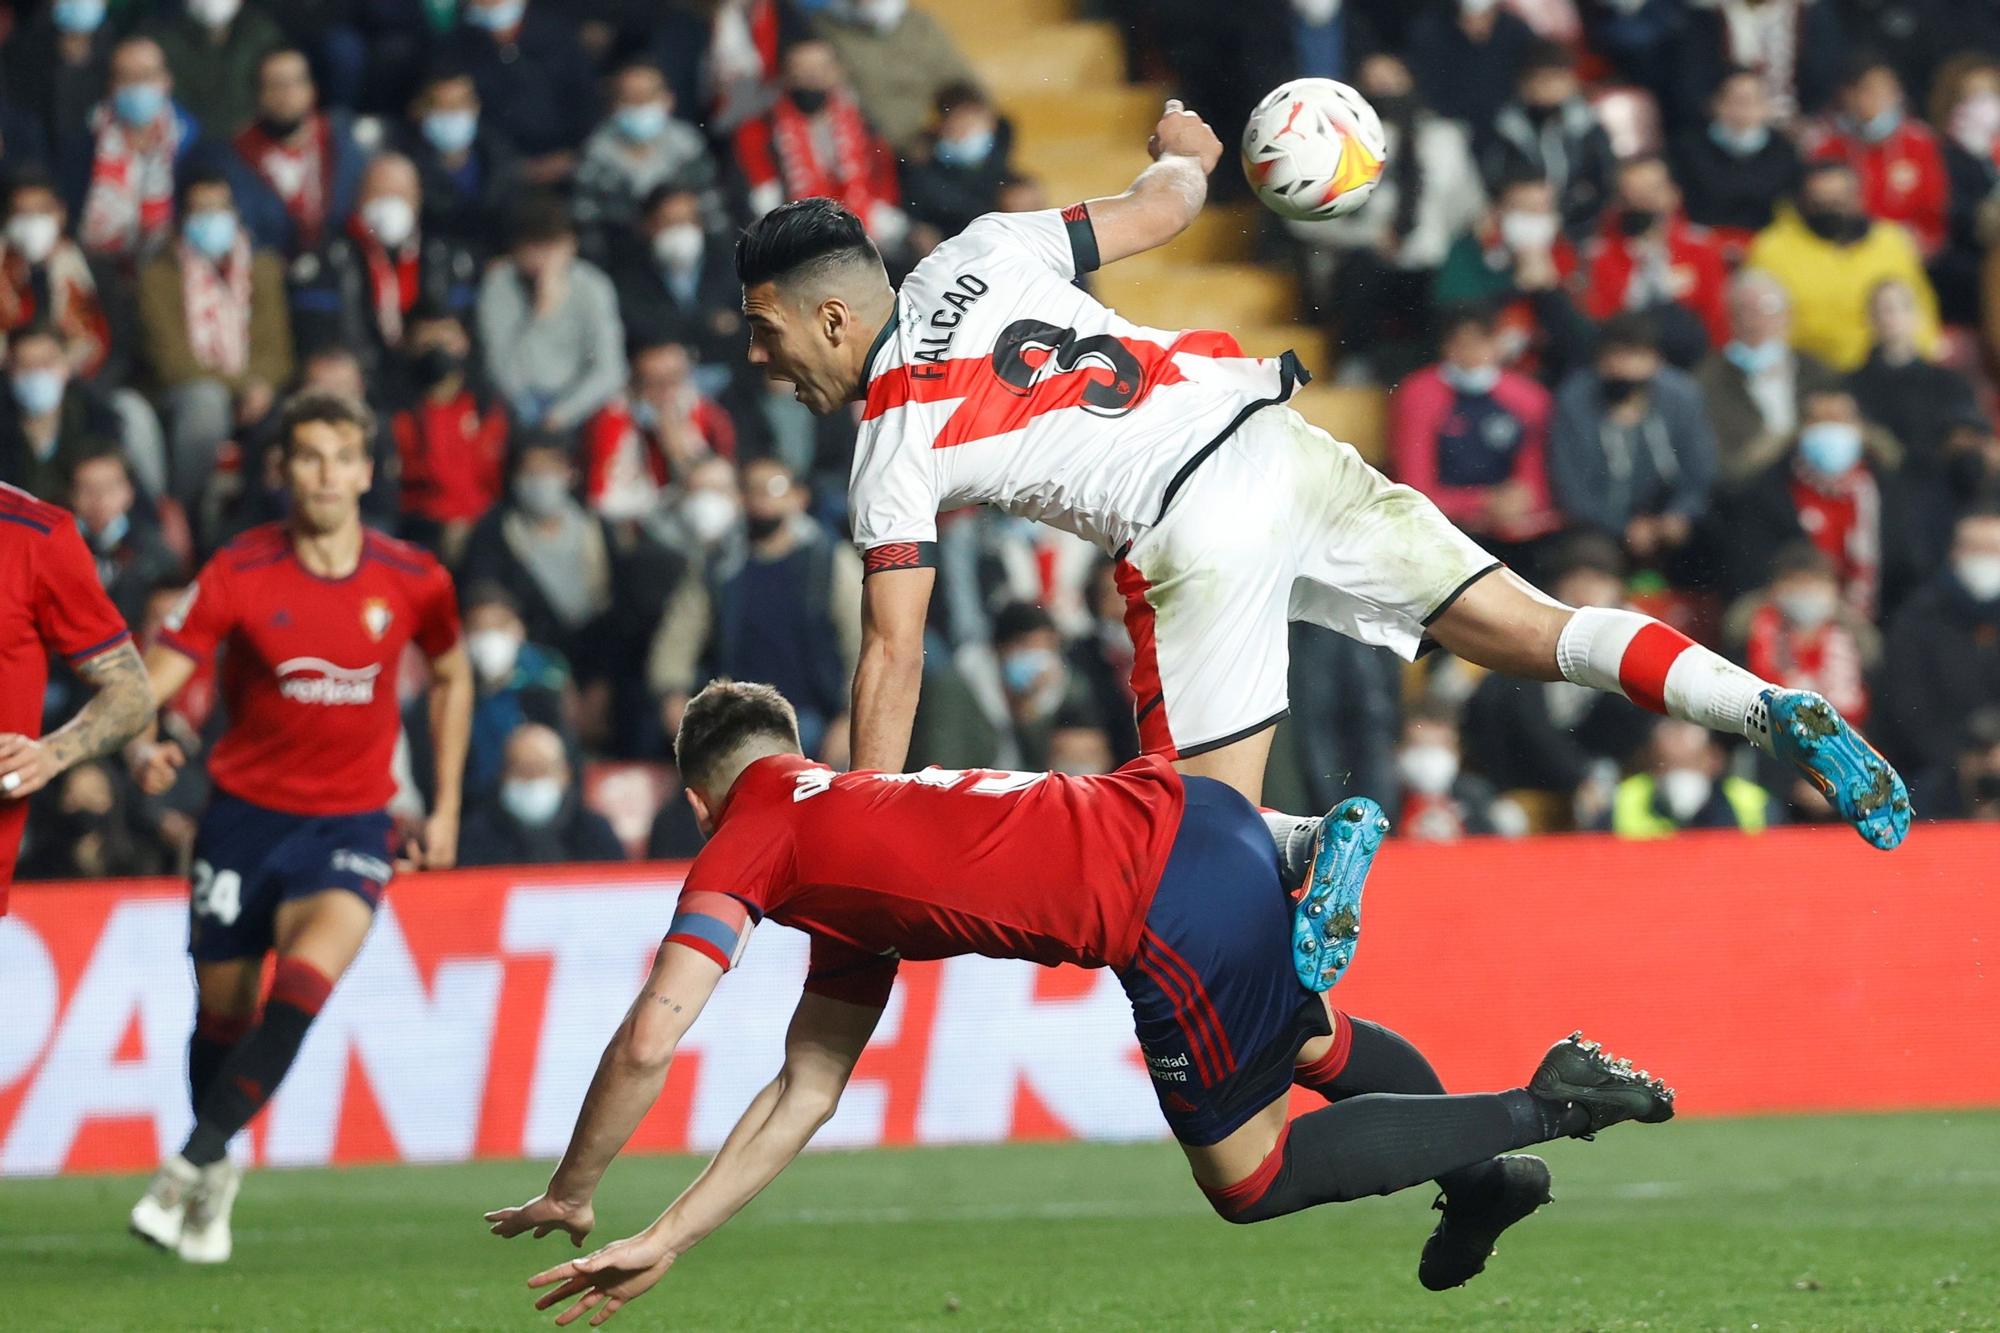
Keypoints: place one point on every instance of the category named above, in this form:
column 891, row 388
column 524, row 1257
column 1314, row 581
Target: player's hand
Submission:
column 155, row 765
column 1181, row 133
column 620, row 1272
column 25, row 766
column 544, row 1214
column 440, row 846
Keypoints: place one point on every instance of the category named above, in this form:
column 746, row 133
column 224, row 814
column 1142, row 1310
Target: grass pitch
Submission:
column 1864, row 1223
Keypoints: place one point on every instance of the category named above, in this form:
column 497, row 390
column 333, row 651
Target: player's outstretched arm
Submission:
column 824, row 1042
column 895, row 603
column 628, row 1081
column 1167, row 196
column 120, row 709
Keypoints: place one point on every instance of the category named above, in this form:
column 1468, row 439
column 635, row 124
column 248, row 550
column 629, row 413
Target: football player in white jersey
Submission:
column 990, row 377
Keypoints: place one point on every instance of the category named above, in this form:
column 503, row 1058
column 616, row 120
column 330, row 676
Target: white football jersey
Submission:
column 998, row 381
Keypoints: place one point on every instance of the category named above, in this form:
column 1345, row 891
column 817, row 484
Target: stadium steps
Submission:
column 1080, row 129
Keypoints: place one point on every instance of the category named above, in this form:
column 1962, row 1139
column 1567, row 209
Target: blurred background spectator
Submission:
column 536, row 817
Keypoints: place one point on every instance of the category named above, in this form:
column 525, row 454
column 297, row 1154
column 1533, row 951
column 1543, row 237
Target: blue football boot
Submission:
column 1326, row 921
column 1856, row 780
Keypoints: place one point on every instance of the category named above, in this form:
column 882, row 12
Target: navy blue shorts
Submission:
column 248, row 860
column 1219, row 1011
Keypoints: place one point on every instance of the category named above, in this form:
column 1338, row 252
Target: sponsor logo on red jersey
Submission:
column 314, row 680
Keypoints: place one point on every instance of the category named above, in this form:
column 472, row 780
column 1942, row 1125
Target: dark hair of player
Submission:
column 801, row 239
column 323, row 405
column 722, row 718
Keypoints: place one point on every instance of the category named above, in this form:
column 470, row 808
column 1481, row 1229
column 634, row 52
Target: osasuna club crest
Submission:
column 375, row 617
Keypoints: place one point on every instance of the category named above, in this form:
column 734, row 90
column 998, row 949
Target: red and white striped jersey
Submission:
column 998, row 381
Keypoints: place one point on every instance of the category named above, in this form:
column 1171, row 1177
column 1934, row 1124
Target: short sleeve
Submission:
column 203, row 617
column 437, row 613
column 840, row 971
column 745, row 860
column 1060, row 240
column 72, row 612
column 894, row 497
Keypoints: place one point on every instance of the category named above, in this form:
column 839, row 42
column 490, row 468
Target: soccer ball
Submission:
column 1313, row 150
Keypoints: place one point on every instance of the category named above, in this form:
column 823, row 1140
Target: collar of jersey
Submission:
column 875, row 348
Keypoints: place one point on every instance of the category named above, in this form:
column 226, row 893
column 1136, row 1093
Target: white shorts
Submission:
column 1282, row 522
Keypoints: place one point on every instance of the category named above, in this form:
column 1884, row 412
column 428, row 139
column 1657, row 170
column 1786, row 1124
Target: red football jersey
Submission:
column 309, row 666
column 50, row 602
column 880, row 866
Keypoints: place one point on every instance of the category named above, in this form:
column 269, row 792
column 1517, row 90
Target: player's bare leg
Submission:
column 1504, row 623
column 317, row 937
column 226, row 995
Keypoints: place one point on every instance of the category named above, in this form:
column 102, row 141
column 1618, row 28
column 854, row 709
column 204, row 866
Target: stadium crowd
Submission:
column 1686, row 304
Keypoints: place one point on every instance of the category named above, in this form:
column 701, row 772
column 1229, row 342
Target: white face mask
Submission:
column 1685, row 791
column 390, row 218
column 533, row 801
column 493, row 652
column 678, row 246
column 882, row 15
column 1428, row 769
column 1980, row 574
column 34, row 235
column 1807, row 608
column 1532, row 232
column 709, row 516
column 213, row 13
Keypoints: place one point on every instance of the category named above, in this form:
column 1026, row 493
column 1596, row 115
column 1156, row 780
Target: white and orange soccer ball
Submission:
column 1313, row 150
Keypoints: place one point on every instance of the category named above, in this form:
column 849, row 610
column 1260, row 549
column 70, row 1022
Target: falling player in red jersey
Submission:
column 51, row 601
column 1171, row 882
column 312, row 616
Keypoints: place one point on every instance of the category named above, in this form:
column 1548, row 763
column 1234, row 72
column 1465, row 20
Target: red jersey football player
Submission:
column 52, row 602
column 311, row 616
column 1170, row 881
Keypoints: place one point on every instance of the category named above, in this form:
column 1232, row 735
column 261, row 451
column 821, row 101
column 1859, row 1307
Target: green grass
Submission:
column 1865, row 1223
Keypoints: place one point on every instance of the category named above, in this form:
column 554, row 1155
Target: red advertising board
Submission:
column 1795, row 971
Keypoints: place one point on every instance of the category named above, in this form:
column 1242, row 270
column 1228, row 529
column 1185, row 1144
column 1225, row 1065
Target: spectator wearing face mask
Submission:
column 451, row 440
column 1941, row 661
column 1441, row 802
column 705, row 526
column 1837, row 490
column 548, row 323
column 1370, row 274
column 49, row 418
column 1895, row 155
column 533, row 76
column 653, row 436
column 1732, row 167
column 84, row 829
column 1686, row 786
column 133, row 558
column 296, row 169
column 676, row 281
column 44, row 277
column 1913, row 397
column 469, row 172
column 1830, row 257
column 1794, row 46
column 1548, row 128
column 515, row 682
column 1474, row 437
column 1518, row 263
column 1466, row 56
column 57, row 64
column 1970, row 787
column 815, row 141
column 898, row 59
column 1965, row 111
column 364, row 287
column 139, row 136
column 216, row 335
column 1755, row 385
column 958, row 164
column 639, row 149
column 537, row 817
column 788, row 611
column 1036, row 682
column 1799, row 632
column 214, row 48
column 1648, row 258
column 1631, row 452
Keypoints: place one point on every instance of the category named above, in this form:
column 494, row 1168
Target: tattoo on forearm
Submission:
column 115, row 714
column 667, row 1000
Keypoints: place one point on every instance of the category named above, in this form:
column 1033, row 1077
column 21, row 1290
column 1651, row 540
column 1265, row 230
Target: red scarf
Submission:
column 217, row 302
column 1843, row 518
column 805, row 176
column 308, row 171
column 392, row 279
column 1826, row 659
column 130, row 207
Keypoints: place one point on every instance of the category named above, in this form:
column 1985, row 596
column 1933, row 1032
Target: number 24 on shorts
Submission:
column 216, row 894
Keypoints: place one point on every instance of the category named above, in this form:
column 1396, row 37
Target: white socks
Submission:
column 1661, row 669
